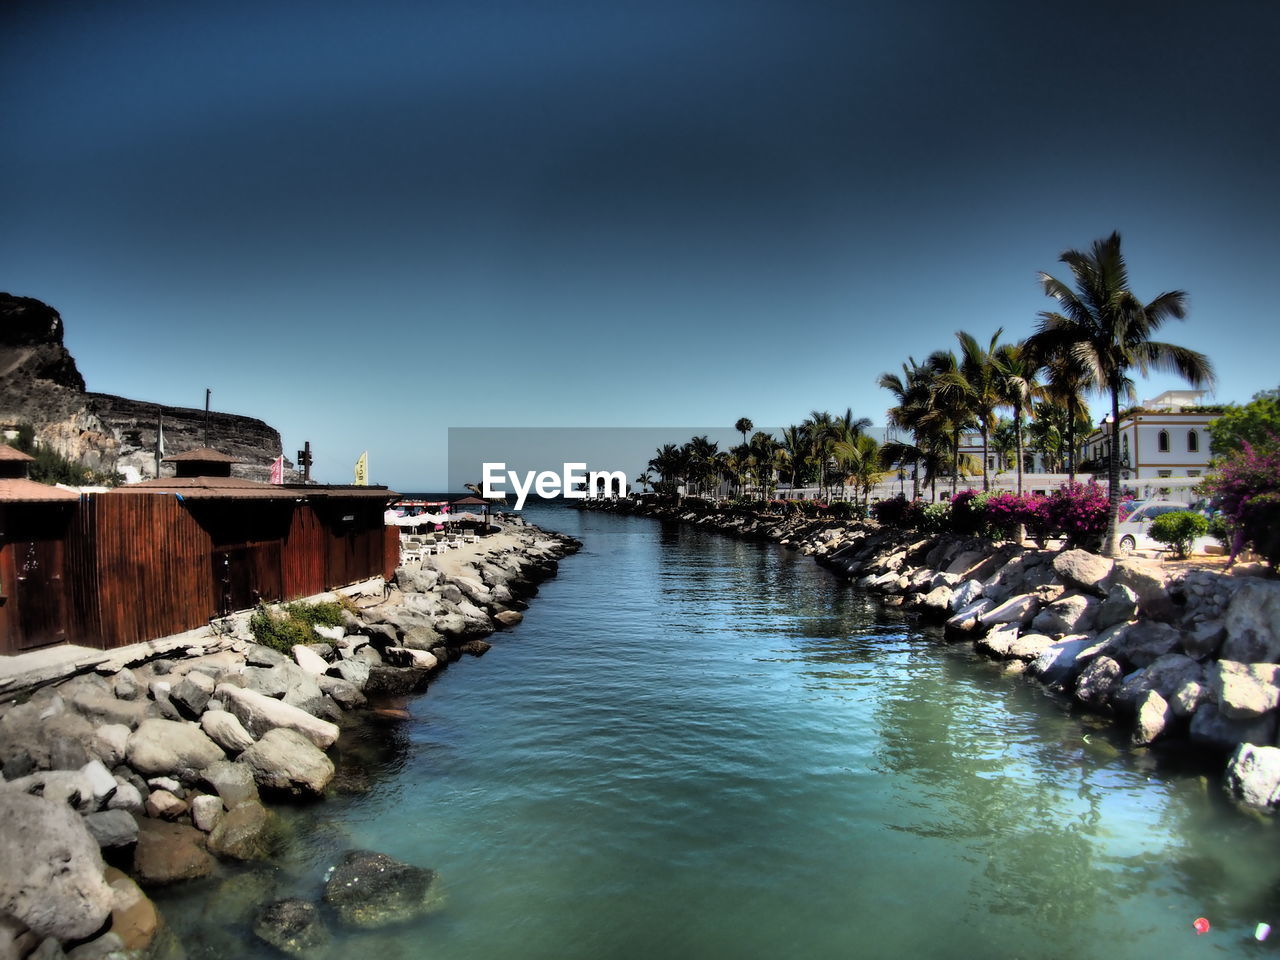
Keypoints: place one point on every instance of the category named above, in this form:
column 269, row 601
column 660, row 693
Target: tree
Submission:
column 1256, row 422
column 1016, row 370
column 744, row 426
column 763, row 450
column 977, row 381
column 669, row 463
column 859, row 457
column 1003, row 443
column 948, row 412
column 1107, row 330
column 645, row 480
column 820, row 428
column 795, row 447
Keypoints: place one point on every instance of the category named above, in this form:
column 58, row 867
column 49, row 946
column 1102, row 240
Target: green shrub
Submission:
column 294, row 623
column 1178, row 530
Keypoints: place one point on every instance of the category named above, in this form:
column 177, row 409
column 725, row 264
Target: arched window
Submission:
column 1162, row 441
column 1193, row 442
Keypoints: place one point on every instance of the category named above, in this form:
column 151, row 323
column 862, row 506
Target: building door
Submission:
column 39, row 593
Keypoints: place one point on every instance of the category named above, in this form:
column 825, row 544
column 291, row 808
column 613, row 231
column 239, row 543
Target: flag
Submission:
column 277, row 470
column 362, row 470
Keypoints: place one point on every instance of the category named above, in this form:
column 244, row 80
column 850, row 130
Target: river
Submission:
column 697, row 747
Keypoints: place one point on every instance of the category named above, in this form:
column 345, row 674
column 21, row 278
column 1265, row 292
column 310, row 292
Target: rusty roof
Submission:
column 201, row 455
column 238, row 488
column 13, row 453
column 468, row 501
column 19, row 490
column 208, row 488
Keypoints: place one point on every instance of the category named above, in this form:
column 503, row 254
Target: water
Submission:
column 698, row 747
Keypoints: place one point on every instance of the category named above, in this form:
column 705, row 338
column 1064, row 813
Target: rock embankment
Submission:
column 160, row 766
column 1189, row 656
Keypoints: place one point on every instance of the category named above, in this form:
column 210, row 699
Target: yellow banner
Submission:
column 362, row 470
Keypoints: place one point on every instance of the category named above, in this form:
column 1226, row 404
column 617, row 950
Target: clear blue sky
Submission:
column 365, row 223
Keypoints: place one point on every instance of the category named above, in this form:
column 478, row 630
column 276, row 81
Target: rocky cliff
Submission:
column 40, row 385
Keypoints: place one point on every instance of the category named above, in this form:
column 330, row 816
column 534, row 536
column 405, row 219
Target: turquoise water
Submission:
column 698, row 747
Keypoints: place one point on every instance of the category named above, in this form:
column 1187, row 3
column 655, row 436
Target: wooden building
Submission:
column 167, row 555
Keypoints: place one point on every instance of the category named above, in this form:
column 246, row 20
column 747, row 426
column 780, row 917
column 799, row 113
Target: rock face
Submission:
column 1253, row 624
column 246, row 833
column 59, row 890
column 373, row 890
column 260, row 714
column 169, row 852
column 40, row 385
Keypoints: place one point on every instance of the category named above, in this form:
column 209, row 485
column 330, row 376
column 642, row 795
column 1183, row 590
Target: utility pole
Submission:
column 304, row 461
column 208, row 392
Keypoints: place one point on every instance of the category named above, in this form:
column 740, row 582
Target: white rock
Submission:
column 1019, row 609
column 225, row 730
column 261, row 714
column 206, row 811
column 309, row 660
column 1253, row 777
column 100, row 780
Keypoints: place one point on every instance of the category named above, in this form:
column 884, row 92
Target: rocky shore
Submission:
column 145, row 766
column 1180, row 656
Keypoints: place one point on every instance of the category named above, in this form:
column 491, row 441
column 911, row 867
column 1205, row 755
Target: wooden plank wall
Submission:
column 154, row 568
column 141, row 566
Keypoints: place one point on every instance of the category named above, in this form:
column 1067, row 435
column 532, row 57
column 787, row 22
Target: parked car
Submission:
column 1134, row 531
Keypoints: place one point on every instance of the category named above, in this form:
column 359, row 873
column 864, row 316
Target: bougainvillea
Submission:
column 1246, row 488
column 1078, row 512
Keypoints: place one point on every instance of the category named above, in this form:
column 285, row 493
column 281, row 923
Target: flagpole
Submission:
column 159, row 438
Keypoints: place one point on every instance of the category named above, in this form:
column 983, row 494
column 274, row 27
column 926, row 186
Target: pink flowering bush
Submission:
column 1246, row 489
column 1079, row 512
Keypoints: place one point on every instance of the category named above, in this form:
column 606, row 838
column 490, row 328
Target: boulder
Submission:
column 107, row 946
column 507, row 618
column 966, row 620
column 1244, row 691
column 127, row 797
column 233, row 782
column 1211, row 729
column 52, row 881
column 476, row 648
column 1120, row 605
column 249, row 832
column 965, row 594
column 192, row 693
column 206, row 811
column 165, row 806
column 1020, row 610
column 126, row 685
column 134, row 918
column 112, row 828
column 99, row 708
column 168, row 746
column 1253, row 777
column 169, row 852
column 353, row 671
column 1252, row 623
column 226, row 731
column 1030, row 646
column 1146, row 580
column 370, row 890
column 1084, row 570
column 937, row 601
column 345, row 695
column 1154, row 718
column 332, row 634
column 69, row 788
column 396, row 681
column 309, row 660
column 998, row 642
column 110, row 742
column 1204, row 639
column 285, row 761
column 1188, row 697
column 1072, row 613
column 260, row 714
column 1099, row 682
column 292, row 926
column 1061, row 662
column 1143, row 642
column 100, row 781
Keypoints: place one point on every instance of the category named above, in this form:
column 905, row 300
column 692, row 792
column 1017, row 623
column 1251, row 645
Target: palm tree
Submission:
column 949, row 412
column 821, row 430
column 744, row 426
column 1017, row 370
column 645, row 480
column 976, row 379
column 795, row 446
column 700, row 453
column 669, row 463
column 763, row 450
column 1067, row 380
column 1003, row 443
column 1107, row 330
column 860, row 460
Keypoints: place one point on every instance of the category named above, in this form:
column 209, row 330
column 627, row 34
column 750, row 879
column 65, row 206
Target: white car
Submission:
column 1134, row 532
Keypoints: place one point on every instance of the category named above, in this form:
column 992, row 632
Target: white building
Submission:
column 1166, row 437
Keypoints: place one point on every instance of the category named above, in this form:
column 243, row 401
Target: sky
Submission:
column 368, row 223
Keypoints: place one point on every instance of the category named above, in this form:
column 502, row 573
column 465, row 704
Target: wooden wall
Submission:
column 142, row 566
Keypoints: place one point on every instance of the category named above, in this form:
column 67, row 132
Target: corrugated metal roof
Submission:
column 12, row 453
column 201, row 455
column 18, row 490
